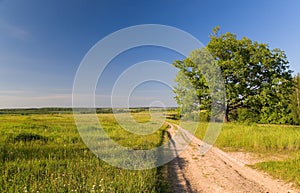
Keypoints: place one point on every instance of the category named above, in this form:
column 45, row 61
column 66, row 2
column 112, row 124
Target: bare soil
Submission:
column 217, row 171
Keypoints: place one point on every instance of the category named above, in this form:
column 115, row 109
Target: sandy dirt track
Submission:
column 216, row 171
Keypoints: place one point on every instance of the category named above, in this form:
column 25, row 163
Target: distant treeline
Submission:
column 58, row 110
column 37, row 111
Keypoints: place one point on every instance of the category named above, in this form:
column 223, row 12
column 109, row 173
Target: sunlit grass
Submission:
column 288, row 170
column 63, row 163
column 250, row 138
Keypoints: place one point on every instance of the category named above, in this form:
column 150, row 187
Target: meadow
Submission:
column 44, row 153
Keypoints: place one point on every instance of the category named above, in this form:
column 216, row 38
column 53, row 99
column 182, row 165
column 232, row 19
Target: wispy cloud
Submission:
column 12, row 92
column 14, row 31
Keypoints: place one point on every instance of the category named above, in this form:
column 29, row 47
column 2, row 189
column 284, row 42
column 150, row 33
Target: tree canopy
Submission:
column 256, row 77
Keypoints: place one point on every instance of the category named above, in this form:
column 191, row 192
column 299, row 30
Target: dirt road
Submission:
column 216, row 172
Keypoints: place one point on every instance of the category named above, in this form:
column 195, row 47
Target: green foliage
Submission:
column 295, row 101
column 204, row 116
column 185, row 95
column 247, row 115
column 255, row 76
column 198, row 84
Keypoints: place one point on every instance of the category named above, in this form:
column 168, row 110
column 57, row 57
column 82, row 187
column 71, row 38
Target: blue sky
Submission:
column 43, row 42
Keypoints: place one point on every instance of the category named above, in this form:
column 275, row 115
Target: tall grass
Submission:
column 58, row 160
column 260, row 138
column 288, row 170
column 252, row 138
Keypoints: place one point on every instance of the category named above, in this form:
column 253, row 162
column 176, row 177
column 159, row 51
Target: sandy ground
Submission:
column 216, row 171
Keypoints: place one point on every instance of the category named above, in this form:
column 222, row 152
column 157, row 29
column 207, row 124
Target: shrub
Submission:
column 27, row 137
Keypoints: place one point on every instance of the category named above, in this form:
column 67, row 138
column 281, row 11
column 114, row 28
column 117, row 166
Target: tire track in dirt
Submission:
column 215, row 171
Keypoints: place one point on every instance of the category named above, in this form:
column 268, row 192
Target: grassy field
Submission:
column 44, row 153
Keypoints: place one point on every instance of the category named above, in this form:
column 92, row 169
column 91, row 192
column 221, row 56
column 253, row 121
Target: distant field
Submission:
column 44, row 152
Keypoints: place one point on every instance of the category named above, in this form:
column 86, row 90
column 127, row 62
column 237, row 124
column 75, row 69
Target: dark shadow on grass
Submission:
column 161, row 184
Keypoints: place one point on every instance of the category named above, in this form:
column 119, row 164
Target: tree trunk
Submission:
column 225, row 118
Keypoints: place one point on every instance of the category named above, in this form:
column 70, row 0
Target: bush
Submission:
column 204, row 116
column 247, row 115
column 27, row 137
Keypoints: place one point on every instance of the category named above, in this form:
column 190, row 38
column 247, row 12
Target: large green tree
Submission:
column 254, row 75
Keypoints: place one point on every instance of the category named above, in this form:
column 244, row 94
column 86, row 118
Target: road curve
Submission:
column 215, row 171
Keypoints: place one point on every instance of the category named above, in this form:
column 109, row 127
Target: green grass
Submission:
column 288, row 170
column 252, row 138
column 44, row 153
column 260, row 138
